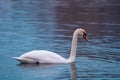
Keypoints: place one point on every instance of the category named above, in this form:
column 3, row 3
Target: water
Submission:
column 27, row 25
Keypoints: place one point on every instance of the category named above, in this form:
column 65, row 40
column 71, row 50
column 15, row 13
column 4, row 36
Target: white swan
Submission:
column 43, row 56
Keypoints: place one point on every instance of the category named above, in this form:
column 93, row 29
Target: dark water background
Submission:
column 27, row 25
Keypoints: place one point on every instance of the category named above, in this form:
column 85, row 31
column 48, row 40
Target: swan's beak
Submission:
column 85, row 36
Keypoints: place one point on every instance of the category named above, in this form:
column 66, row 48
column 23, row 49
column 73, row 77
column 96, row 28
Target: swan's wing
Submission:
column 40, row 56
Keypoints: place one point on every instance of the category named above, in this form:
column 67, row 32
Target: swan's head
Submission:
column 82, row 32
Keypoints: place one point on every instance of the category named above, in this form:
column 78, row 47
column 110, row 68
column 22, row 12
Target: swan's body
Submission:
column 43, row 56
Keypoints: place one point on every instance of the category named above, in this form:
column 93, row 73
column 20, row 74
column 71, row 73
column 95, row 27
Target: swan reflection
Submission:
column 36, row 65
column 54, row 70
column 73, row 71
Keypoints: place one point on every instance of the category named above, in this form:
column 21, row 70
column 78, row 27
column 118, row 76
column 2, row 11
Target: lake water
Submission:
column 27, row 25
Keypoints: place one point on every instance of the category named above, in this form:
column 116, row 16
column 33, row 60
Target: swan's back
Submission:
column 41, row 56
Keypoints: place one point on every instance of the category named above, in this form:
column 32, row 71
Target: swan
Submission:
column 43, row 56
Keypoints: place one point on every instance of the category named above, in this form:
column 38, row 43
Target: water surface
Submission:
column 27, row 25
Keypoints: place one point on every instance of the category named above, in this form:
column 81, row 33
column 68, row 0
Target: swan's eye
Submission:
column 85, row 36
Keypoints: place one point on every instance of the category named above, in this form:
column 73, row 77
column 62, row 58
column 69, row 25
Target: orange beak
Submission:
column 85, row 36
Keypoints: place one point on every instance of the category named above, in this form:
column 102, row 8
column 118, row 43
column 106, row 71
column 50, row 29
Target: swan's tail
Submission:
column 24, row 60
column 17, row 58
column 21, row 60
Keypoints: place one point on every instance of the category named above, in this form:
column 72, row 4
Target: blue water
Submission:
column 27, row 25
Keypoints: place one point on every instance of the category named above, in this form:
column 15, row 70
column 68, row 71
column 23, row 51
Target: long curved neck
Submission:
column 73, row 47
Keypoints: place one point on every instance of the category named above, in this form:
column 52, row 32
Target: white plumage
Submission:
column 43, row 56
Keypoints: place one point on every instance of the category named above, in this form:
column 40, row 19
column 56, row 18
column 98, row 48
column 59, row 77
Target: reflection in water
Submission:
column 93, row 12
column 73, row 71
column 37, row 65
column 29, row 65
column 50, row 69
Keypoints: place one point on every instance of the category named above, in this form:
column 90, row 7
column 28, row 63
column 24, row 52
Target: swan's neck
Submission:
column 73, row 47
